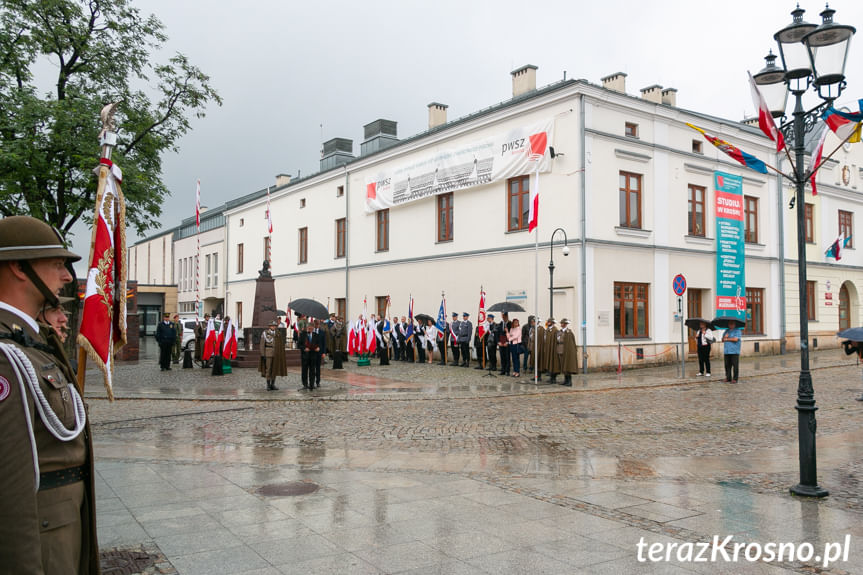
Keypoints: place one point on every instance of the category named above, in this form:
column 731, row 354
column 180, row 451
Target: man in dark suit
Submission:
column 311, row 344
column 165, row 337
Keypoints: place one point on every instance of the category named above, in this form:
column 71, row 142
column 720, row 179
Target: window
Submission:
column 750, row 219
column 215, row 270
column 341, row 228
column 304, row 245
column 810, row 300
column 809, row 224
column 846, row 227
column 238, row 318
column 631, row 130
column 302, row 202
column 754, row 311
column 340, row 191
column 341, row 308
column 696, row 210
column 518, row 198
column 382, row 230
column 696, row 147
column 444, row 217
column 381, row 305
column 209, row 268
column 242, row 221
column 630, row 200
column 630, row 310
column 267, row 248
column 239, row 258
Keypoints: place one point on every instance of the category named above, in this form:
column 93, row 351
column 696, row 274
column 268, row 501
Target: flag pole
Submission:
column 198, row 310
column 107, row 139
column 536, row 296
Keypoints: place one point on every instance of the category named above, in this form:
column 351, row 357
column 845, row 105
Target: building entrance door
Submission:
column 844, row 309
column 693, row 309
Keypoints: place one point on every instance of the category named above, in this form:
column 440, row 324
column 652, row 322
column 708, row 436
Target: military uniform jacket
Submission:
column 465, row 329
column 567, row 351
column 22, row 518
column 273, row 346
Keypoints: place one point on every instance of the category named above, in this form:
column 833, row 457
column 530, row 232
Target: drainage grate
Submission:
column 287, row 489
column 125, row 562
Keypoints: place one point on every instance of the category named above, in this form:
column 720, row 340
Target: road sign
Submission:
column 679, row 284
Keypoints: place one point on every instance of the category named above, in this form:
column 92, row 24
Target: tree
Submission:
column 101, row 52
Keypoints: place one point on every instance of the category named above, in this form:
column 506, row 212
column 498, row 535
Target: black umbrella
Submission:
column 423, row 317
column 852, row 333
column 695, row 323
column 280, row 313
column 506, row 306
column 309, row 307
column 722, row 322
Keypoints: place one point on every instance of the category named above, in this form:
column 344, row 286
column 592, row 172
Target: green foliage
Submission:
column 101, row 52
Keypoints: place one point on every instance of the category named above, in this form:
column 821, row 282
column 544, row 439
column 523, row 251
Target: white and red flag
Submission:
column 209, row 340
column 103, row 320
column 765, row 118
column 538, row 147
column 480, row 317
column 198, row 204
column 269, row 217
column 816, row 160
column 229, row 347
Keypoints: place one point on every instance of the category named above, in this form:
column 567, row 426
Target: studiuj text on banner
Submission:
column 730, row 253
column 520, row 151
column 103, row 321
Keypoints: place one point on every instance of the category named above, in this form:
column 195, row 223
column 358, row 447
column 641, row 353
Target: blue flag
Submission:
column 410, row 331
column 441, row 316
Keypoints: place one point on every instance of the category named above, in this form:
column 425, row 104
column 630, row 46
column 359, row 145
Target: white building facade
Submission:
column 630, row 185
column 199, row 264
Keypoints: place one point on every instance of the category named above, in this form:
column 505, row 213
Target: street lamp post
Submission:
column 551, row 268
column 811, row 56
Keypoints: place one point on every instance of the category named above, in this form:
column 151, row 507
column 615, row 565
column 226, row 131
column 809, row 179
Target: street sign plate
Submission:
column 679, row 284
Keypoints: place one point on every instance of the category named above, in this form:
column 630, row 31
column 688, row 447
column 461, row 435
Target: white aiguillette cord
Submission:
column 26, row 375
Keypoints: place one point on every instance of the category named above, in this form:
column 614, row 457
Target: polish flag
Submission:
column 817, row 160
column 538, row 145
column 765, row 118
column 269, row 216
column 229, row 348
column 209, row 340
column 198, row 204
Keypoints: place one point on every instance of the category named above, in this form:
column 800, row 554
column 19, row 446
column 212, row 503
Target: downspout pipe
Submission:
column 582, row 170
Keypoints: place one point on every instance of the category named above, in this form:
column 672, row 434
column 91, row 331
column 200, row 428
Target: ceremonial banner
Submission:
column 730, row 262
column 521, row 151
column 103, row 320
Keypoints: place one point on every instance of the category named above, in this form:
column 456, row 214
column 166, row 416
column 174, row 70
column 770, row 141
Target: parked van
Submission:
column 189, row 334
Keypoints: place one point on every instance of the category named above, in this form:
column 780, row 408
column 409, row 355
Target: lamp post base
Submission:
column 809, row 490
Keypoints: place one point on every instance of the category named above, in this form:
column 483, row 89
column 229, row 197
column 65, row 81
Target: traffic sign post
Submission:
column 678, row 285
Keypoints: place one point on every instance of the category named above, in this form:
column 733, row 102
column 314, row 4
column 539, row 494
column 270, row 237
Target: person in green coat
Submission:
column 178, row 342
column 567, row 352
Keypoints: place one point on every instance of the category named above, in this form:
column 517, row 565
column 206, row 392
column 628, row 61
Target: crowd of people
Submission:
column 504, row 346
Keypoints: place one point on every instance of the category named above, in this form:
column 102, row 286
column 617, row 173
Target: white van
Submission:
column 189, row 334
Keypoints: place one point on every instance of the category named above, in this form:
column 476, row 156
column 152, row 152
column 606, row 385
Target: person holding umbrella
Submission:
column 704, row 338
column 731, row 338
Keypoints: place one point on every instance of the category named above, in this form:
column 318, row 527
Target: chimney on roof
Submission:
column 616, row 82
column 336, row 152
column 437, row 114
column 523, row 80
column 669, row 96
column 379, row 135
column 652, row 94
column 283, row 180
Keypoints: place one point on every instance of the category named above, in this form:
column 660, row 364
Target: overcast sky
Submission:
column 286, row 68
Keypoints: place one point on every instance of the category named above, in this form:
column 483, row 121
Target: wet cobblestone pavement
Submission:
column 431, row 469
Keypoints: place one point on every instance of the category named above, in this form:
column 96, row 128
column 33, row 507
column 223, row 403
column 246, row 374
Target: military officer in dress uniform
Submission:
column 47, row 513
column 464, row 333
column 453, row 341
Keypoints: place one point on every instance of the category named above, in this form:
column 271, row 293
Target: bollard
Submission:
column 187, row 359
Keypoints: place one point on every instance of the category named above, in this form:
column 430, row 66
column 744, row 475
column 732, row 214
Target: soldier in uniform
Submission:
column 200, row 337
column 464, row 333
column 178, row 341
column 567, row 352
column 453, row 341
column 272, row 355
column 550, row 360
column 493, row 331
column 47, row 513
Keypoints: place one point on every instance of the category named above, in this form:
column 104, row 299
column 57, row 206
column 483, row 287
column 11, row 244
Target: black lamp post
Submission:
column 811, row 56
column 551, row 268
